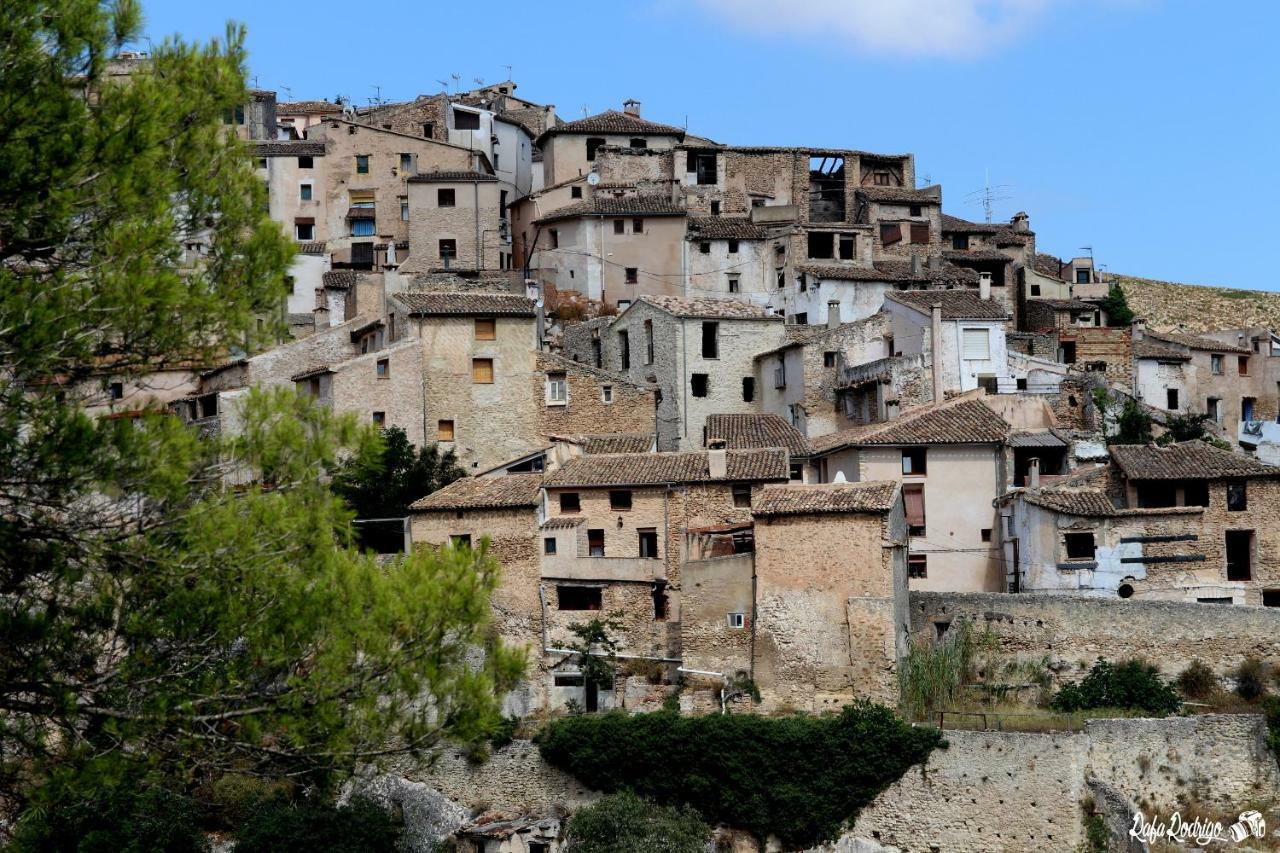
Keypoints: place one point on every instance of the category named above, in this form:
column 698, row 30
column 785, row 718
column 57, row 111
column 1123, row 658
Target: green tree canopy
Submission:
column 625, row 823
column 154, row 620
column 1116, row 304
column 397, row 477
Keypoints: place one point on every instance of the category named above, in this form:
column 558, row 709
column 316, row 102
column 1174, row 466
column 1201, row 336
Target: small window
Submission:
column 880, row 179
column 736, row 620
column 379, row 418
column 742, row 496
column 1079, row 546
column 1271, row 598
column 620, row 500
column 915, row 461
column 748, row 389
column 578, row 598
column 466, row 120
column 637, row 226
column 482, row 371
column 648, row 342
column 446, row 198
column 624, row 349
column 960, row 242
column 733, row 247
column 848, row 247
column 384, row 368
column 1242, row 365
column 710, row 340
column 404, row 209
column 1035, row 290
column 1082, row 276
column 305, row 163
column 1195, row 493
column 829, row 359
column 116, row 390
column 569, row 502
column 428, row 129
column 1215, row 364
column 304, row 192
column 448, row 249
column 555, row 238
column 593, row 143
column 406, row 163
column 633, row 275
column 917, row 566
column 890, row 233
column 821, row 244
column 549, row 545
column 362, row 164
column 460, row 540
column 976, row 344
column 919, row 232
column 715, row 208
column 699, row 384
column 606, row 393
column 704, row 247
column 305, row 231
column 985, row 533
column 916, row 210
column 557, row 389
column 734, row 286
column 595, row 542
column 486, row 329
column 619, row 226
column 648, row 542
column 1171, row 399
column 444, row 430
column 575, row 192
column 1237, row 496
column 569, row 680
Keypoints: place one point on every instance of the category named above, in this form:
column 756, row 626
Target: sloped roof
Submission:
column 287, row 107
column 956, row 304
column 871, row 497
column 1048, row 265
column 954, row 224
column 1198, row 343
column 640, row 469
column 725, row 228
column 972, row 255
column 618, row 442
column 635, row 205
column 965, row 421
column 1089, row 504
column 466, row 303
column 283, row 148
column 892, row 271
column 1190, row 460
column 339, row 279
column 507, row 490
column 1151, row 348
column 902, row 195
column 745, row 432
column 613, row 121
column 452, row 177
column 710, row 309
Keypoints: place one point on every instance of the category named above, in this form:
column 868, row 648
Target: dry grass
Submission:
column 1167, row 305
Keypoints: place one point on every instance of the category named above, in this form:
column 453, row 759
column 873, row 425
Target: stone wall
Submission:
column 630, row 407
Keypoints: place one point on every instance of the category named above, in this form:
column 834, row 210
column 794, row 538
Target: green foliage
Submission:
column 1271, row 709
column 625, row 823
column 932, row 674
column 1190, row 427
column 801, row 778
column 1129, row 684
column 279, row 826
column 233, row 797
column 1132, row 423
column 1116, row 306
column 1251, row 679
column 383, row 484
column 1197, row 681
column 597, row 651
column 121, row 819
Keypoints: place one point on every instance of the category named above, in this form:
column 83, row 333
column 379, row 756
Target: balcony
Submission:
column 579, row 568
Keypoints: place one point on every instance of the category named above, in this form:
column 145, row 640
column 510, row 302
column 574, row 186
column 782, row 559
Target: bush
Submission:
column 234, row 797
column 625, row 823
column 283, row 827
column 1197, row 681
column 801, row 778
column 1251, row 679
column 1132, row 684
column 126, row 819
column 1271, row 709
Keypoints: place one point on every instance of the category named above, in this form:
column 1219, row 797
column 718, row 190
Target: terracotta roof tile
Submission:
column 635, row 205
column 1190, row 460
column 1198, row 343
column 451, row 177
column 871, row 496
column 946, row 274
column 612, row 121
column 507, row 490
column 901, row 195
column 954, row 224
column 746, row 432
column 961, row 256
column 956, row 304
column 964, row 421
column 1048, row 265
column 1151, row 348
column 620, row 442
column 1083, row 503
column 711, row 309
column 339, row 279
column 641, row 469
column 466, row 303
column 313, row 247
column 288, row 107
column 724, row 228
column 300, row 148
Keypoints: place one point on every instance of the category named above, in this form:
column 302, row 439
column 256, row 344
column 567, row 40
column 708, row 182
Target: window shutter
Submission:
column 890, row 233
column 976, row 344
column 914, row 501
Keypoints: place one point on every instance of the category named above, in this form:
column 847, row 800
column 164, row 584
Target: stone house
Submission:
column 959, row 332
column 1048, row 315
column 756, row 432
column 729, row 258
column 1187, row 522
column 294, row 117
column 698, row 352
column 503, row 834
column 854, row 293
column 455, row 222
column 949, row 458
column 569, row 149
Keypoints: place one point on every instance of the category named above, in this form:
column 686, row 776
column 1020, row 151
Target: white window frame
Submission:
column 307, row 185
column 557, row 389
column 966, row 351
column 736, row 620
column 606, row 393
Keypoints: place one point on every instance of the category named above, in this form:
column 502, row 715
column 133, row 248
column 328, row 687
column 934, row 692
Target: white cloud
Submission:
column 947, row 28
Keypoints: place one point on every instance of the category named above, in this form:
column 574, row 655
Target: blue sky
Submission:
column 1143, row 128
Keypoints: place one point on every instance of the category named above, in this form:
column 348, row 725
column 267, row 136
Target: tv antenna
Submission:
column 477, row 81
column 508, row 67
column 1088, row 249
column 377, row 99
column 444, row 86
column 989, row 195
column 456, row 79
column 924, row 180
column 288, row 92
column 584, row 110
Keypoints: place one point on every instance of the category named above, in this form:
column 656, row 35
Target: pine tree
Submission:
column 1116, row 305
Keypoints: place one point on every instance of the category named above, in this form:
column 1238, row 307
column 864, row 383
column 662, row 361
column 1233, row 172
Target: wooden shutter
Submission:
column 486, row 329
column 444, row 431
column 919, row 232
column 913, row 498
column 890, row 233
column 482, row 371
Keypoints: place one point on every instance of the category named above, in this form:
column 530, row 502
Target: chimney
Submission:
column 917, row 265
column 935, row 337
column 1021, row 223
column 1033, row 473
column 320, row 317
column 935, row 262
column 984, row 285
column 631, row 107
column 892, row 408
column 833, row 313
column 718, row 461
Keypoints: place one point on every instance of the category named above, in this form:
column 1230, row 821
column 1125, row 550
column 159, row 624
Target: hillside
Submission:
column 1167, row 305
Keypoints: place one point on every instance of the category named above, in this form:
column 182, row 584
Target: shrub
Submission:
column 1271, row 709
column 1197, row 681
column 125, row 819
column 1251, row 679
column 301, row 827
column 625, row 823
column 801, row 778
column 932, row 674
column 1131, row 684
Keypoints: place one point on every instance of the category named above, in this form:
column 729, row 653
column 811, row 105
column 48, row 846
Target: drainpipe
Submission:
column 935, row 337
column 475, row 193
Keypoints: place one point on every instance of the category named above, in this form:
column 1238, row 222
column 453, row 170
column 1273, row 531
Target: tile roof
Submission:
column 892, row 271
column 1048, row 265
column 1073, row 502
column 962, row 255
column 902, row 195
column 1045, row 438
column 451, row 177
column 506, row 490
column 619, row 442
column 962, row 421
column 313, row 247
column 287, row 107
column 635, row 205
column 1064, row 304
column 300, row 148
column 461, row 303
column 709, row 308
column 748, row 432
column 310, row 373
column 339, row 279
column 871, row 496
column 1198, row 343
column 1151, row 348
column 642, row 469
column 956, row 304
column 612, row 121
column 1190, row 460
column 963, row 226
column 724, row 228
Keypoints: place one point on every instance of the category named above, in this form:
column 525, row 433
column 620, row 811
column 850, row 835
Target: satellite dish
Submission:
column 593, row 179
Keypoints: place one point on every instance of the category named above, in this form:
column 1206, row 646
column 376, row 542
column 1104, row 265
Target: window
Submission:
column 578, row 598
column 919, row 232
column 593, row 142
column 829, row 359
column 637, row 226
column 733, row 247
column 821, row 244
column 648, row 342
column 116, row 390
column 698, row 384
column 569, row 502
column 648, row 542
column 305, row 163
column 880, row 179
column 482, row 371
column 460, row 540
column 448, row 249
column 989, row 382
column 445, row 198
column 1082, row 276
column 1237, row 496
column 633, row 275
column 1213, row 407
column 710, row 340
column 486, row 329
column 917, row 566
column 1079, row 546
column 890, row 233
column 704, row 247
column 960, row 242
column 304, row 231
column 620, row 501
column 1021, row 383
column 404, row 209
column 606, row 393
column 1215, row 364
column 1068, row 352
column 624, row 349
column 304, row 192
column 913, row 498
column 362, row 164
column 734, row 286
column 1195, row 493
column 742, row 496
column 915, row 461
column 703, row 165
column 465, row 120
column 384, row 368
column 1171, row 399
column 715, row 208
column 575, row 192
column 406, row 163
column 234, row 115
column 748, row 389
column 362, row 228
column 1242, row 365
column 569, row 680
column 379, row 418
column 801, row 318
column 1246, row 408
column 595, row 542
column 985, row 533
column 619, row 226
column 444, row 430
column 976, row 344
column 916, row 210
column 428, row 129
column 549, row 545
column 848, row 247
column 780, row 375
column 557, row 389
column 1271, row 598
column 1035, row 290
column 555, row 238
column 736, row 620
column 1239, row 555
